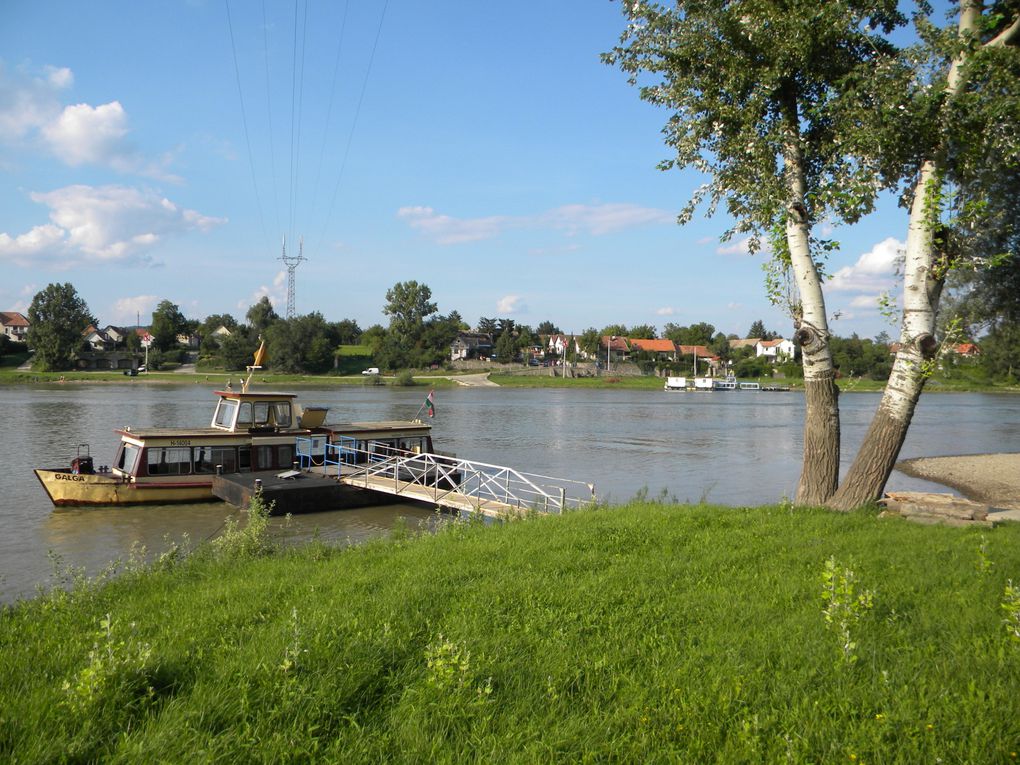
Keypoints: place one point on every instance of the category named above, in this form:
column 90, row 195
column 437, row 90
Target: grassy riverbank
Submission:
column 645, row 633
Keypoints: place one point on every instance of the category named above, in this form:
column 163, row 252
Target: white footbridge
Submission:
column 457, row 484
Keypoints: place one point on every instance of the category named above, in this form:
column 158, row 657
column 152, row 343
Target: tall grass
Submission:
column 647, row 633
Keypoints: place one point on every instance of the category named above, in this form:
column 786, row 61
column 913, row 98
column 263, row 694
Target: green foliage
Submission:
column 696, row 334
column 261, row 316
column 167, row 323
column 116, row 674
column 1011, row 611
column 843, row 606
column 404, row 379
column 58, row 317
column 250, row 540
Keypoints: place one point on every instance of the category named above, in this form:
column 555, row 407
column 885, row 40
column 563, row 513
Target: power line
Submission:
column 269, row 115
column 244, row 122
column 354, row 124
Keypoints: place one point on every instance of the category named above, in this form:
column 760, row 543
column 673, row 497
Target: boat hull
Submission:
column 66, row 488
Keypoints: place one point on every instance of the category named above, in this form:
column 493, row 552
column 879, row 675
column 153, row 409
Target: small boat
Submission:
column 727, row 383
column 249, row 432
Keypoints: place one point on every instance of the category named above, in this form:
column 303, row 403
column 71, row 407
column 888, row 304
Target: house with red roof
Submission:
column 15, row 325
column 779, row 349
column 967, row 350
column 664, row 350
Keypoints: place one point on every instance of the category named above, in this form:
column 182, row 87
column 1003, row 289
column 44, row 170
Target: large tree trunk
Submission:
column 819, row 474
column 921, row 290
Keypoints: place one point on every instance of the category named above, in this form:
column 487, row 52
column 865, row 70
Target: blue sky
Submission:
column 480, row 148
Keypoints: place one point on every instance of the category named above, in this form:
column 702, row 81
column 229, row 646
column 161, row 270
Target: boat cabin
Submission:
column 254, row 412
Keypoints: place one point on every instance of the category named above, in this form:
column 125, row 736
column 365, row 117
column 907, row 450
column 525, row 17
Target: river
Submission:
column 734, row 448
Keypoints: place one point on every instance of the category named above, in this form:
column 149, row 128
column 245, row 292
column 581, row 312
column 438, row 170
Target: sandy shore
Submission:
column 993, row 479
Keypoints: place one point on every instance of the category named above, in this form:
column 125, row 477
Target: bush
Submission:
column 404, row 379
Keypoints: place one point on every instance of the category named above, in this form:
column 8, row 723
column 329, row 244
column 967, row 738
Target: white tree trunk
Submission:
column 820, row 468
column 875, row 459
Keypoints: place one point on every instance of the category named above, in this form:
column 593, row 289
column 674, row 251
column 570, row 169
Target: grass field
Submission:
column 644, row 633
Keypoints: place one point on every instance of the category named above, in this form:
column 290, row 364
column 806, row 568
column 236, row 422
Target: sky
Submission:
column 166, row 149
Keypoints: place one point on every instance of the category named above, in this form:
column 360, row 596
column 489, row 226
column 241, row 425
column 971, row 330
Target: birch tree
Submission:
column 967, row 82
column 755, row 88
column 800, row 110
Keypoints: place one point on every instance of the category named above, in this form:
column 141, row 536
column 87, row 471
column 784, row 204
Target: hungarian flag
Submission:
column 430, row 403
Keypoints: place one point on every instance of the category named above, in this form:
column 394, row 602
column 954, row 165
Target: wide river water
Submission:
column 734, row 448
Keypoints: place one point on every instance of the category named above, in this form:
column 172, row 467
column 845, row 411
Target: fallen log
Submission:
column 927, row 503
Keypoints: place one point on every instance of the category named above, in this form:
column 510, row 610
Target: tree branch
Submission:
column 1006, row 36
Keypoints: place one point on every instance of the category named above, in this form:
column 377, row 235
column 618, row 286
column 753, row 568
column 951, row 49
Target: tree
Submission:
column 409, row 305
column 696, row 334
column 347, row 332
column 548, row 328
column 620, row 330
column 589, row 342
column 261, row 315
column 214, row 321
column 644, row 332
column 506, row 348
column 758, row 330
column 767, row 100
column 167, row 323
column 58, row 316
column 950, row 135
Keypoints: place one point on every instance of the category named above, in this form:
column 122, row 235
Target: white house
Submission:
column 779, row 349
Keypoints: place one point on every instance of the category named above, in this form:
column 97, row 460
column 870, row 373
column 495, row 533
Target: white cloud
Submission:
column 509, row 305
column 447, row 230
column 129, row 309
column 78, row 134
column 83, row 134
column 101, row 224
column 865, row 301
column 874, row 271
column 596, row 220
column 667, row 311
column 599, row 220
column 277, row 294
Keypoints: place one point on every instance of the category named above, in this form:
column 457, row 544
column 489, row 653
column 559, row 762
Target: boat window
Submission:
column 169, row 461
column 263, row 457
column 262, row 413
column 285, row 455
column 244, row 415
column 208, row 457
column 225, row 414
column 282, row 414
column 244, row 459
column 127, row 458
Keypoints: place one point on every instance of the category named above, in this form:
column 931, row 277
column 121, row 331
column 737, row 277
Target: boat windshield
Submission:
column 225, row 411
column 127, row 458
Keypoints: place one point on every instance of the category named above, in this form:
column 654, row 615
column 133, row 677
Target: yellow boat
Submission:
column 249, row 432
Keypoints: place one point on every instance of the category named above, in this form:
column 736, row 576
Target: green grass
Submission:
column 645, row 633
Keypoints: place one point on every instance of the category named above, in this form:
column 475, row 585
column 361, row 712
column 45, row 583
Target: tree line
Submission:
column 418, row 336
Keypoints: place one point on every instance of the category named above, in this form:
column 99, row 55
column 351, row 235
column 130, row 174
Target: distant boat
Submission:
column 675, row 383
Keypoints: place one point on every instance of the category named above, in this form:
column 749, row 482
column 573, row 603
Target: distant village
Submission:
column 126, row 348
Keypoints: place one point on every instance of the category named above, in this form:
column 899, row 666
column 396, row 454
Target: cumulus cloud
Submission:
column 508, row 305
column 101, row 224
column 596, row 220
column 31, row 111
column 875, row 271
column 83, row 134
column 865, row 301
column 667, row 311
column 128, row 309
column 277, row 294
column 445, row 229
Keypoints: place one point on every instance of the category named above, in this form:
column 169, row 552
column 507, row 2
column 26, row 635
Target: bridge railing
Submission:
column 440, row 476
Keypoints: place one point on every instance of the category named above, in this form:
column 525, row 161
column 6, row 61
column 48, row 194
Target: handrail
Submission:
column 441, row 476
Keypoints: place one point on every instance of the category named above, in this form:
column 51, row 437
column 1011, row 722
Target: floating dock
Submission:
column 296, row 492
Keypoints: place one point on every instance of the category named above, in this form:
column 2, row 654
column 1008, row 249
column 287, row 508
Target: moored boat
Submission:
column 249, row 432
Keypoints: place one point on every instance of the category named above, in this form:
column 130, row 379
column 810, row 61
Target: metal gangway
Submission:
column 458, row 484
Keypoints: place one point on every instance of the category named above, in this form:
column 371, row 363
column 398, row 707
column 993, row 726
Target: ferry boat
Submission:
column 249, row 432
